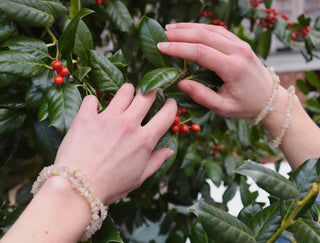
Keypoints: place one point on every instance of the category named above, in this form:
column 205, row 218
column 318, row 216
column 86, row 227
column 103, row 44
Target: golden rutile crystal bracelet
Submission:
column 80, row 183
column 285, row 125
column 268, row 107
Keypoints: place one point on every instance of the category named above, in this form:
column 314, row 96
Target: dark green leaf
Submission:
column 306, row 231
column 220, row 225
column 20, row 64
column 150, row 34
column 302, row 86
column 266, row 223
column 229, row 193
column 313, row 104
column 81, row 73
column 274, row 183
column 198, row 235
column 119, row 15
column 83, row 42
column 63, row 104
column 303, row 20
column 119, row 60
column 33, row 97
column 10, row 120
column 47, row 140
column 247, row 197
column 313, row 79
column 7, row 27
column 214, row 172
column 44, row 81
column 268, row 3
column 108, row 233
column 169, row 140
column 158, row 78
column 68, row 37
column 104, row 74
column 231, row 164
column 264, row 44
column 6, row 79
column 247, row 214
column 43, row 109
column 244, row 132
column 29, row 12
column 29, row 45
column 55, row 7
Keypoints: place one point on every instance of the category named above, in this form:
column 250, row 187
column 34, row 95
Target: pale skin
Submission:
column 116, row 153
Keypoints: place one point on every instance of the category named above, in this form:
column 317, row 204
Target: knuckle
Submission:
column 200, row 51
column 202, row 34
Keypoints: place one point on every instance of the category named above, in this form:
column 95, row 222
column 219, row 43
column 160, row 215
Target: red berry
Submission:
column 98, row 2
column 217, row 147
column 195, row 127
column 176, row 120
column 57, row 65
column 58, row 80
column 184, row 129
column 215, row 153
column 98, row 91
column 265, row 162
column 64, row 72
column 175, row 128
column 209, row 14
column 182, row 110
column 290, row 24
column 286, row 17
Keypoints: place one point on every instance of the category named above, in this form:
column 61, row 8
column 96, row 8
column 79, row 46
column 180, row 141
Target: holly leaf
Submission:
column 158, row 78
column 104, row 74
column 29, row 45
column 264, row 44
column 214, row 172
column 302, row 86
column 63, row 104
column 119, row 60
column 10, row 120
column 29, row 12
column 21, row 64
column 306, row 231
column 150, row 34
column 221, row 226
column 108, row 233
column 7, row 27
column 271, row 181
column 83, row 42
column 119, row 15
column 313, row 79
column 56, row 8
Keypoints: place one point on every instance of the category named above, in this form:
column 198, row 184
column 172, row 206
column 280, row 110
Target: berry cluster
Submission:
column 183, row 128
column 216, row 149
column 99, row 2
column 255, row 3
column 272, row 16
column 302, row 32
column 208, row 14
column 63, row 72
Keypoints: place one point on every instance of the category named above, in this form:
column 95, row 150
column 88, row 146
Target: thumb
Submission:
column 202, row 94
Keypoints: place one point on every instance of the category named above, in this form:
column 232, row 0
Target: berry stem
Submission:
column 54, row 40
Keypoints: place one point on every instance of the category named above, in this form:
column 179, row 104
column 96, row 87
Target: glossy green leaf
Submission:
column 150, row 34
column 231, row 164
column 119, row 60
column 302, row 86
column 169, row 140
column 247, row 197
column 82, row 72
column 313, row 79
column 104, row 74
column 56, row 8
column 264, row 44
column 220, row 225
column 83, row 42
column 20, row 64
column 29, row 12
column 229, row 193
column 33, row 97
column 119, row 15
column 6, row 79
column 10, row 120
column 32, row 46
column 68, row 37
column 306, row 231
column 44, row 81
column 271, row 181
column 247, row 214
column 47, row 140
column 266, row 222
column 43, row 113
column 108, row 233
column 214, row 172
column 244, row 132
column 7, row 27
column 63, row 104
column 158, row 78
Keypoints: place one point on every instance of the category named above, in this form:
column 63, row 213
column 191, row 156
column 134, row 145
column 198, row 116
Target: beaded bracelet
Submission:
column 268, row 107
column 83, row 186
column 277, row 141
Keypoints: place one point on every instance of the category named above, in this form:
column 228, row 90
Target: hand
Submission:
column 112, row 148
column 247, row 83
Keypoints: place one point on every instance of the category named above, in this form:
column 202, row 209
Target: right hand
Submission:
column 247, row 83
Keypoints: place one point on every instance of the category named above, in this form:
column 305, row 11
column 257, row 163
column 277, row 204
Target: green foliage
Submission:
column 105, row 46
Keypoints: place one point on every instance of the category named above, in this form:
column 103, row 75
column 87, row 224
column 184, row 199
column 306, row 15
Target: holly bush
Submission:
column 103, row 44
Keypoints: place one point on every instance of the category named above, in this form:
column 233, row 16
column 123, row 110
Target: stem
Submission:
column 75, row 6
column 299, row 205
column 54, row 40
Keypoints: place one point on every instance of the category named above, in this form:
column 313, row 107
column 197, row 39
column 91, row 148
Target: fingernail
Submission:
column 170, row 153
column 162, row 45
column 170, row 26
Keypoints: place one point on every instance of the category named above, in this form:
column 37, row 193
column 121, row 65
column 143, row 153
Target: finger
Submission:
column 213, row 28
column 203, row 95
column 122, row 99
column 202, row 36
column 141, row 104
column 89, row 105
column 163, row 120
column 155, row 161
column 204, row 55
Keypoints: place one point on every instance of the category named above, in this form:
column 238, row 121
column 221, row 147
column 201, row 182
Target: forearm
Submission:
column 302, row 138
column 56, row 214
